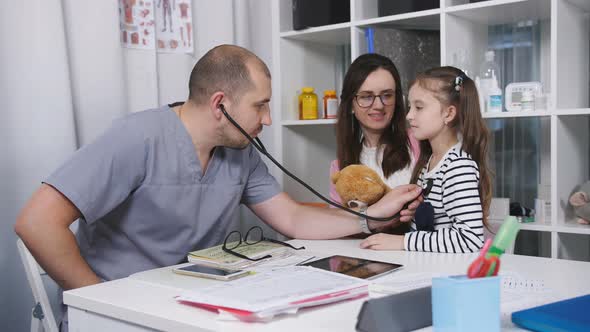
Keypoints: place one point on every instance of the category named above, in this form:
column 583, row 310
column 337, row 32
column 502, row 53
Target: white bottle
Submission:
column 481, row 95
column 494, row 96
column 487, row 71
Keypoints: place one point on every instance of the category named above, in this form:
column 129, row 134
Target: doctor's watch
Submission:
column 363, row 221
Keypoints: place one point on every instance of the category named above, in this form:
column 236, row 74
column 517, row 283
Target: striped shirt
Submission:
column 458, row 216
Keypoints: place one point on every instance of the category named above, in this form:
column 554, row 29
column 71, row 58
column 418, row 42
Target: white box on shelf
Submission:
column 514, row 93
column 499, row 209
column 542, row 211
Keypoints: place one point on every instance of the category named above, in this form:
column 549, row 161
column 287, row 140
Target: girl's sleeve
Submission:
column 333, row 194
column 462, row 205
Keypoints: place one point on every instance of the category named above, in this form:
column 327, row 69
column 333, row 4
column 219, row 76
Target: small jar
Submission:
column 527, row 101
column 308, row 104
column 330, row 104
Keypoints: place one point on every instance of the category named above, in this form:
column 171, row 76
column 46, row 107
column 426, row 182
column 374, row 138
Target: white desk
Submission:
column 145, row 301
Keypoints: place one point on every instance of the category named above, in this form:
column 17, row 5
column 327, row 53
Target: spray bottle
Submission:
column 494, row 99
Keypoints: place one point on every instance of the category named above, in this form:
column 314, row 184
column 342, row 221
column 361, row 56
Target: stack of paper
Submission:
column 520, row 292
column 264, row 295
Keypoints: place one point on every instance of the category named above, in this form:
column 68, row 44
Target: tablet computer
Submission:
column 354, row 267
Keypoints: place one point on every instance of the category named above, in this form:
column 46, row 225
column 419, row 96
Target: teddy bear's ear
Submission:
column 578, row 199
column 335, row 177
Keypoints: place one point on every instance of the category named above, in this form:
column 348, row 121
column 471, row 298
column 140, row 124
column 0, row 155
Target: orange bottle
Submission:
column 330, row 104
column 308, row 104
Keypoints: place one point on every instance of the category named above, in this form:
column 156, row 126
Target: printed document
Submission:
column 279, row 290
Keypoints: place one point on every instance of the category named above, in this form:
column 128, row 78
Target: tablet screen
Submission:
column 354, row 267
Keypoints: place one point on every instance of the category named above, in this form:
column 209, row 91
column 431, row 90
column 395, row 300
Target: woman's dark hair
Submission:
column 396, row 155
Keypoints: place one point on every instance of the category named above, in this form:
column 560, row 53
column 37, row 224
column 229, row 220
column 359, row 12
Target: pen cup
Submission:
column 463, row 304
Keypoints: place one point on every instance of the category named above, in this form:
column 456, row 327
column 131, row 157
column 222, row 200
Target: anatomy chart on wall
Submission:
column 174, row 26
column 137, row 24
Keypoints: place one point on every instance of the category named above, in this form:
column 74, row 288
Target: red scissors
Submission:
column 484, row 265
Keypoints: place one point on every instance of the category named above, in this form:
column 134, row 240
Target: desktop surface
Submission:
column 146, row 299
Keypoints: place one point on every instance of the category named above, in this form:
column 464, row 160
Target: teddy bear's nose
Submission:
column 354, row 204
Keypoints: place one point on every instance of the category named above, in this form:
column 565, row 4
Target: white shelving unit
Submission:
column 318, row 57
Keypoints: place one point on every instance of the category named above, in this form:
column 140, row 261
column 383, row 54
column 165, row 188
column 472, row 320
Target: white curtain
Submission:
column 64, row 77
column 37, row 128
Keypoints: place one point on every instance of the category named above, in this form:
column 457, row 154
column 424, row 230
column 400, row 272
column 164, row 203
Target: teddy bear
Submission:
column 359, row 185
column 580, row 200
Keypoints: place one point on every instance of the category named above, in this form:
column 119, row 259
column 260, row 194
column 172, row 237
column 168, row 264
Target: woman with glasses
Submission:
column 371, row 128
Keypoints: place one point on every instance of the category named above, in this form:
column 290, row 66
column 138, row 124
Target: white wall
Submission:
column 52, row 101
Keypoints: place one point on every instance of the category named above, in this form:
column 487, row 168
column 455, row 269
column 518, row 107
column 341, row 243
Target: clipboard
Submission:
column 567, row 315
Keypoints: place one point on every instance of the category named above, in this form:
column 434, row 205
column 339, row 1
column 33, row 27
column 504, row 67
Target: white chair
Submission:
column 42, row 318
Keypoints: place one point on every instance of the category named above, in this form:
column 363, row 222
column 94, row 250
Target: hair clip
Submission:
column 458, row 82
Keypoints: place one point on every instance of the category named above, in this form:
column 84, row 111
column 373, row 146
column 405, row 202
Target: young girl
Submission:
column 445, row 116
column 371, row 128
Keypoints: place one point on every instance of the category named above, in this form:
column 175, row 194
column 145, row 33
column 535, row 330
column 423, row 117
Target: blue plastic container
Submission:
column 460, row 304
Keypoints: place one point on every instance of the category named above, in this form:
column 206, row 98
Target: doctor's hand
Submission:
column 404, row 199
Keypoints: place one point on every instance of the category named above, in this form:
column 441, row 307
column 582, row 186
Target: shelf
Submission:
column 573, row 111
column 502, row 11
column 574, row 246
column 308, row 122
column 335, row 34
column 534, row 226
column 582, row 4
column 426, row 19
column 572, row 163
column 534, row 152
column 515, row 114
column 572, row 227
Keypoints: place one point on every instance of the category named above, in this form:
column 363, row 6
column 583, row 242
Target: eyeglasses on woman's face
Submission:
column 366, row 100
column 254, row 235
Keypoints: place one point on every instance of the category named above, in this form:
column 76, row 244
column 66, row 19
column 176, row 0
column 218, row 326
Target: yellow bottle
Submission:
column 308, row 104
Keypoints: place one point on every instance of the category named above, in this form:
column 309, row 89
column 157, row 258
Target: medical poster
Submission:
column 174, row 26
column 137, row 25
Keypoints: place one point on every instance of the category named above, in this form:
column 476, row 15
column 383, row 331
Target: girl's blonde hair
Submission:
column 452, row 87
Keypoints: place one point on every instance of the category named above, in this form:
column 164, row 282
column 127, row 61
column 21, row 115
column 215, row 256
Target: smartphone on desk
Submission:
column 210, row 272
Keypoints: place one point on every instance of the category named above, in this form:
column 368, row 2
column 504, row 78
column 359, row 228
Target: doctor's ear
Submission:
column 216, row 105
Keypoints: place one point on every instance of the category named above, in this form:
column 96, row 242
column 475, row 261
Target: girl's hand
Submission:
column 383, row 241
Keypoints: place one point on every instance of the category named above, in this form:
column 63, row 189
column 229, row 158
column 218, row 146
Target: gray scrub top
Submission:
column 144, row 199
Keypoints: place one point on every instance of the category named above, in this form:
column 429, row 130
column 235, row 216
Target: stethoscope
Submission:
column 260, row 147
